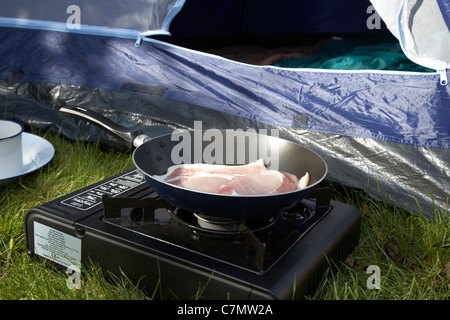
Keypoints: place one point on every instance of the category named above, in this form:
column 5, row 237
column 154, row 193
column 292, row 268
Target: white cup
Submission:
column 11, row 162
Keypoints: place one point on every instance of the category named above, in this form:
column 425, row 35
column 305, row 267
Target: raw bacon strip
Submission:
column 205, row 182
column 187, row 170
column 249, row 179
column 260, row 183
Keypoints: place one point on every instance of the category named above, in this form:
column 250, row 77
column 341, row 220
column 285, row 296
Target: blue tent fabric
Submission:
column 444, row 5
column 402, row 107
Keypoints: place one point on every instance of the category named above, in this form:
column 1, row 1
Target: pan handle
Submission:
column 129, row 137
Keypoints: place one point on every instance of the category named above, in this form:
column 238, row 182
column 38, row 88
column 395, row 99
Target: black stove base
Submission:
column 72, row 230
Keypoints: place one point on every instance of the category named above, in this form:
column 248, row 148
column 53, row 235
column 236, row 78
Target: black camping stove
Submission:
column 122, row 225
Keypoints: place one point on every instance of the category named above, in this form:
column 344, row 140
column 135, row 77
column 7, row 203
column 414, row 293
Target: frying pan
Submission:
column 153, row 156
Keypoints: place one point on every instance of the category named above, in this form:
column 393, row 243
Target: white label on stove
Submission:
column 56, row 246
column 92, row 197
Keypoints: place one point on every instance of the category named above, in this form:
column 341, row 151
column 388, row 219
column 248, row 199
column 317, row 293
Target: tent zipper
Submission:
column 443, row 75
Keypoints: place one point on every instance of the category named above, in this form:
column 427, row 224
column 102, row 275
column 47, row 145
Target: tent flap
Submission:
column 129, row 19
column 401, row 107
column 422, row 28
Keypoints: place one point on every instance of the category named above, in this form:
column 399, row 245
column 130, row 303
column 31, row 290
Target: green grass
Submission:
column 411, row 252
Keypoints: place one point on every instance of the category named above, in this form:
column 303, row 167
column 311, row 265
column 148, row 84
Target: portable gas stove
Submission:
column 122, row 225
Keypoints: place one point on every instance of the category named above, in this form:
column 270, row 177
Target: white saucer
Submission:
column 36, row 151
